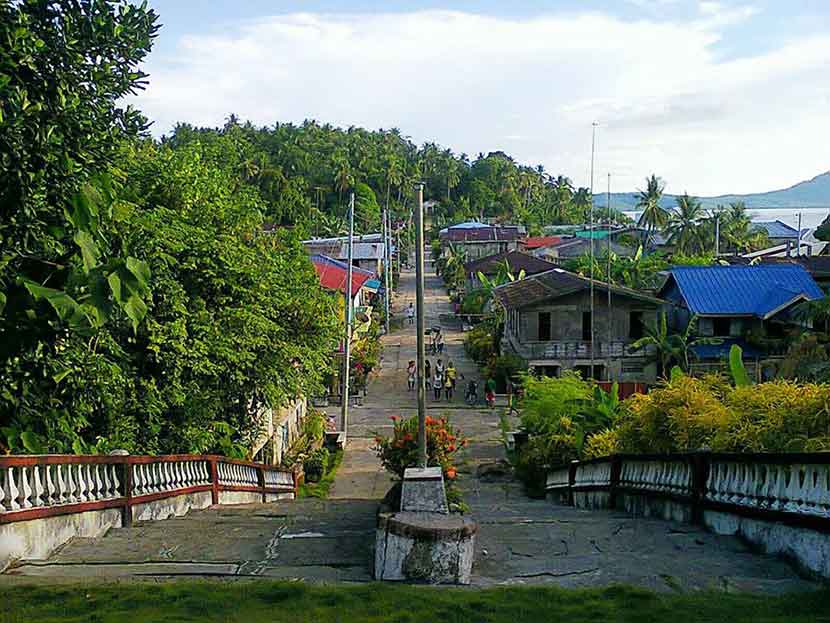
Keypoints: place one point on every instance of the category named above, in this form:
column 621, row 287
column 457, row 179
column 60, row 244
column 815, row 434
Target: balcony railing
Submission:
column 570, row 349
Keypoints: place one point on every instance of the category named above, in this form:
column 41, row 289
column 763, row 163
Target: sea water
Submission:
column 810, row 217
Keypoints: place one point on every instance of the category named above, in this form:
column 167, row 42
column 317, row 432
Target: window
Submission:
column 544, row 326
column 722, row 326
column 635, row 325
column 585, row 372
column 586, row 326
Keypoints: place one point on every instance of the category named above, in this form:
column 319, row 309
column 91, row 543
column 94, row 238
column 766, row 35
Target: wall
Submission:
column 38, row 538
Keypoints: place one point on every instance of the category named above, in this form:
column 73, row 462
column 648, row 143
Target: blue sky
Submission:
column 716, row 97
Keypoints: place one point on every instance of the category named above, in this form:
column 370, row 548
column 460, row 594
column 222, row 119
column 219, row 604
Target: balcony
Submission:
column 576, row 349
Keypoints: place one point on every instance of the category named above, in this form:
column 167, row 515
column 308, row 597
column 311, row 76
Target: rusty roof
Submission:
column 516, row 260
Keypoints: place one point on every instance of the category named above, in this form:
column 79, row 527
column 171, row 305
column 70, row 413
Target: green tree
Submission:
column 684, row 227
column 654, row 216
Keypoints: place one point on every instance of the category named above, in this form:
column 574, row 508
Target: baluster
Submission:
column 106, row 482
column 24, row 490
column 80, row 484
column 116, row 484
column 780, row 488
column 37, row 487
column 822, row 490
column 63, row 485
column 138, row 479
column 52, row 493
column 100, row 493
column 11, row 491
column 181, row 481
column 3, row 476
column 92, row 488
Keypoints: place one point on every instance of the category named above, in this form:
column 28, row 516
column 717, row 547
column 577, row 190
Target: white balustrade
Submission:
column 558, row 479
column 669, row 476
column 236, row 475
column 593, row 475
column 277, row 478
column 26, row 487
column 168, row 476
column 794, row 488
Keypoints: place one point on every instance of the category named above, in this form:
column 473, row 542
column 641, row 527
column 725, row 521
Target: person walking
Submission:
column 448, row 387
column 411, row 371
column 509, row 390
column 410, row 314
column 439, row 368
column 437, row 385
column 427, row 371
column 439, row 342
column 490, row 392
column 452, row 374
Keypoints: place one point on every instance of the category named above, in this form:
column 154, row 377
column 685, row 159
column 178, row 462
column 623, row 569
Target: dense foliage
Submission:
column 569, row 419
column 144, row 308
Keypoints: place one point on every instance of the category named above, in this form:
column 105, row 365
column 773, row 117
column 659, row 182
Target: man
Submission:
column 410, row 313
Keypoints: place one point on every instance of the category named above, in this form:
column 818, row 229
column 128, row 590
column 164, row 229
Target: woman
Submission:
column 439, row 342
column 448, row 387
column 410, row 374
column 439, row 368
column 437, row 384
column 427, row 371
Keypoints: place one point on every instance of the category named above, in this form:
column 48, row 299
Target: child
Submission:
column 490, row 393
column 437, row 385
column 449, row 385
column 410, row 374
column 410, row 314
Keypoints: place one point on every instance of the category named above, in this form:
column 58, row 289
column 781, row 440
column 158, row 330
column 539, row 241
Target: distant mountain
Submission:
column 814, row 193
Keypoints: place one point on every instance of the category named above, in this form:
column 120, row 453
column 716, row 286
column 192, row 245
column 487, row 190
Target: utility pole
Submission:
column 420, row 325
column 387, row 260
column 347, row 346
column 798, row 247
column 591, row 240
column 608, row 275
column 717, row 235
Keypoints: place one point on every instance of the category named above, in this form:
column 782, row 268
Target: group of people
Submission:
column 441, row 378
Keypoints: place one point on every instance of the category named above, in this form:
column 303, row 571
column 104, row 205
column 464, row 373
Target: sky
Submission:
column 713, row 96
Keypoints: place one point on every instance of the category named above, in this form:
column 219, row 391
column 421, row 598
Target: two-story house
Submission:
column 551, row 323
column 476, row 240
column 751, row 306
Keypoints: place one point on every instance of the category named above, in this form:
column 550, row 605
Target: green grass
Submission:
column 261, row 601
column 321, row 489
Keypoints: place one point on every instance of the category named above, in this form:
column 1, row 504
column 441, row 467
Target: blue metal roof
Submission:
column 742, row 290
column 776, row 229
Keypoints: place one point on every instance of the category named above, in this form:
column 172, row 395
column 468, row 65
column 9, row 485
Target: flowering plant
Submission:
column 400, row 451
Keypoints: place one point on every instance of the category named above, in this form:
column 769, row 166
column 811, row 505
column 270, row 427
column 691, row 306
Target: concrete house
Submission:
column 751, row 306
column 479, row 240
column 549, row 323
column 516, row 261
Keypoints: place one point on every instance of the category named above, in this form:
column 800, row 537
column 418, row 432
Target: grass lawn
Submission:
column 321, row 489
column 261, row 601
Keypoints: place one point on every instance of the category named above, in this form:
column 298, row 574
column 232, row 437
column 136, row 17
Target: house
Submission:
column 333, row 275
column 532, row 243
column 477, row 240
column 367, row 250
column 751, row 306
column 778, row 232
column 278, row 430
column 550, row 322
column 515, row 261
column 571, row 248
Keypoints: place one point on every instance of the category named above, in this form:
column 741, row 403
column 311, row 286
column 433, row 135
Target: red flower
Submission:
column 394, row 418
column 451, row 473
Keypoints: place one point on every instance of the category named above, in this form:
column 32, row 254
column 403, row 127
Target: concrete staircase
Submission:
column 325, row 540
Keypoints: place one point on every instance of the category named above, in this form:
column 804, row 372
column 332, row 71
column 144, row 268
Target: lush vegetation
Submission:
column 321, row 488
column 300, row 602
column 569, row 418
column 400, row 450
column 142, row 307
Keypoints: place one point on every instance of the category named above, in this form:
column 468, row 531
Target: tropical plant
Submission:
column 684, row 226
column 654, row 216
column 672, row 348
column 400, row 450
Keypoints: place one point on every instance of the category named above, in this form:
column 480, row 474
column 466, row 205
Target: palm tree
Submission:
column 672, row 348
column 582, row 202
column 654, row 216
column 684, row 225
column 739, row 232
column 563, row 191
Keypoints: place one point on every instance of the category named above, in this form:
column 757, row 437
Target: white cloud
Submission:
column 666, row 103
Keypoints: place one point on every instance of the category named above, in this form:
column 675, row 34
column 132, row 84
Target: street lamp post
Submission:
column 420, row 325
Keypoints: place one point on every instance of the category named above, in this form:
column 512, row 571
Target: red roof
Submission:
column 538, row 242
column 333, row 274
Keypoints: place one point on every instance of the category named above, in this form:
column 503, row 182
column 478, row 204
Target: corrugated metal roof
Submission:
column 362, row 250
column 555, row 283
column 758, row 291
column 776, row 229
column 333, row 274
column 516, row 260
column 538, row 242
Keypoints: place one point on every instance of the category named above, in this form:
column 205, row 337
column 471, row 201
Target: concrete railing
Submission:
column 779, row 502
column 46, row 500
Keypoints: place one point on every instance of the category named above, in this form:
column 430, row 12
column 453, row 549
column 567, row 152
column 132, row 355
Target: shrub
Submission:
column 474, row 302
column 315, row 465
column 684, row 415
column 400, row 451
column 479, row 344
column 603, row 443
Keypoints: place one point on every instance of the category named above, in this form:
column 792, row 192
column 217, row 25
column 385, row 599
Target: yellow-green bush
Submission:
column 603, row 443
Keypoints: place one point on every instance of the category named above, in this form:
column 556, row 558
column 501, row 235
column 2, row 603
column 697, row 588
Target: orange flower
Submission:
column 451, row 473
column 451, row 447
column 394, row 418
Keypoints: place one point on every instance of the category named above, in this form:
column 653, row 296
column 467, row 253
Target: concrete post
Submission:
column 420, row 325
